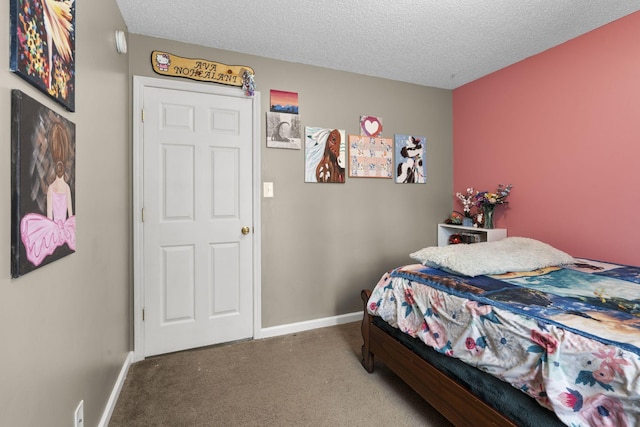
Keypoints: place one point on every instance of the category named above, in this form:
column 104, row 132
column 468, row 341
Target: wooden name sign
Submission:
column 198, row 69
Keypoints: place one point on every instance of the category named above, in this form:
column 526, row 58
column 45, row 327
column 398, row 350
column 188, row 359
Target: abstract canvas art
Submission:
column 43, row 222
column 324, row 155
column 43, row 46
column 410, row 159
column 370, row 157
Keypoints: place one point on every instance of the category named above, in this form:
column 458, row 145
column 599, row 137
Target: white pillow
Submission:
column 503, row 256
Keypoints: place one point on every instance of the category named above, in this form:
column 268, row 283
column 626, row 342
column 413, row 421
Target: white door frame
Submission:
column 139, row 84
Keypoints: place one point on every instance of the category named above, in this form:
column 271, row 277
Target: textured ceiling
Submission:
column 434, row 43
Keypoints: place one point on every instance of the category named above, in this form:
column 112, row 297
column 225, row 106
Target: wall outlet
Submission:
column 78, row 415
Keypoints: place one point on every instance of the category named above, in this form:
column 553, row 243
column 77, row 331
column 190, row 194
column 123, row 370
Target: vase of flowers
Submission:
column 488, row 201
column 467, row 204
column 487, row 212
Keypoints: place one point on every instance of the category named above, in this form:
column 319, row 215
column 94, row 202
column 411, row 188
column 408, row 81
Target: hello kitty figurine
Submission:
column 163, row 61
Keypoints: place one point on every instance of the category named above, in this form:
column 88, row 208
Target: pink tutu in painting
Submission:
column 41, row 235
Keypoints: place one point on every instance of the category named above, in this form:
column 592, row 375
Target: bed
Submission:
column 511, row 333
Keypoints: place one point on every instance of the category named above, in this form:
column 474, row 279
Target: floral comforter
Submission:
column 569, row 337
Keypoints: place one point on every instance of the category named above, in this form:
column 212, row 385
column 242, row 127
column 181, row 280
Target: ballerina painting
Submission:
column 43, row 46
column 43, row 187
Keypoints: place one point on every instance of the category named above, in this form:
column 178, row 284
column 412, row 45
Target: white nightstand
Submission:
column 485, row 234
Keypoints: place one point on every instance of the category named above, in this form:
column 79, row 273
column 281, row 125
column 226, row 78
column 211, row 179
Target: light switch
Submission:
column 268, row 189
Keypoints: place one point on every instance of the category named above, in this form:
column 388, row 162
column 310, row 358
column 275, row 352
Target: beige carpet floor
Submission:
column 312, row 378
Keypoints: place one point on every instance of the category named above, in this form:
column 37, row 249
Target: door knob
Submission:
column 245, row 230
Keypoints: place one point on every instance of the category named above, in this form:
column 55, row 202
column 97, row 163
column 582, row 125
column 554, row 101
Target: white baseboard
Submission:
column 291, row 328
column 113, row 399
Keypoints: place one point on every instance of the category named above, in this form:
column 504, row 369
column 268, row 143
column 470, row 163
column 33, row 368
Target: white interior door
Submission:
column 197, row 201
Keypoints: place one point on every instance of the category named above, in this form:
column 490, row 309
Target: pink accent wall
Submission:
column 564, row 128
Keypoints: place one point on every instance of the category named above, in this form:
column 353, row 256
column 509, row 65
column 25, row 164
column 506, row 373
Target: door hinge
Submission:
column 143, row 314
column 142, row 115
column 142, row 214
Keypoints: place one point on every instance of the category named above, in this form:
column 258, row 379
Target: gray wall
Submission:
column 323, row 243
column 65, row 328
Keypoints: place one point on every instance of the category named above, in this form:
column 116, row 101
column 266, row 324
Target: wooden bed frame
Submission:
column 453, row 401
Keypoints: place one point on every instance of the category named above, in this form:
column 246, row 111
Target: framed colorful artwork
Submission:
column 283, row 131
column 43, row 41
column 324, row 155
column 43, row 152
column 370, row 157
column 370, row 126
column 410, row 159
column 284, row 102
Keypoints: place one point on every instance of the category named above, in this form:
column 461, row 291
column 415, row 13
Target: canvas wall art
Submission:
column 43, row 46
column 43, row 151
column 324, row 155
column 370, row 126
column 284, row 102
column 370, row 157
column 410, row 159
column 283, row 131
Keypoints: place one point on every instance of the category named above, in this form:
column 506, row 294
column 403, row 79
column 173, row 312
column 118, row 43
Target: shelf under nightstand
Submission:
column 486, row 234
